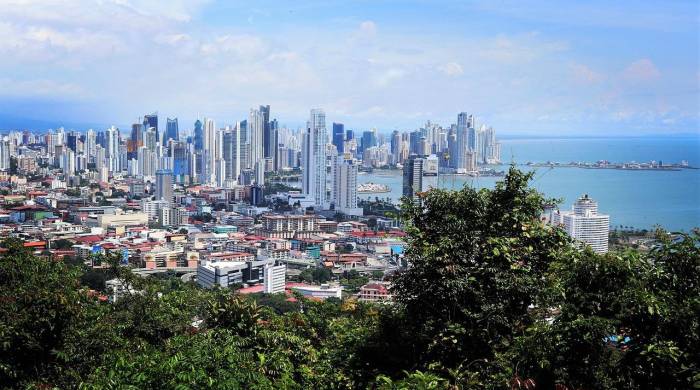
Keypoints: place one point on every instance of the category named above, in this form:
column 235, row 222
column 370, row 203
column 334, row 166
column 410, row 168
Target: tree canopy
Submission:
column 492, row 298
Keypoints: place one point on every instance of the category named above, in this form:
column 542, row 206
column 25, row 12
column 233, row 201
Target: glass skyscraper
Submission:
column 339, row 136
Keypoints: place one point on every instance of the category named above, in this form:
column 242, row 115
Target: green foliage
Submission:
column 493, row 299
column 62, row 244
column 480, row 258
column 40, row 299
column 316, row 275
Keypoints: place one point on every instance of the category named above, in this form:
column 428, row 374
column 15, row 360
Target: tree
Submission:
column 62, row 244
column 478, row 262
column 40, row 298
column 632, row 319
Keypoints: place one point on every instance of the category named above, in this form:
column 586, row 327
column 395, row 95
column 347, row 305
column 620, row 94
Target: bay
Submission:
column 639, row 199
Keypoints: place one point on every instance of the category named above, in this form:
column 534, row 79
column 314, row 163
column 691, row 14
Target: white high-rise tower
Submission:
column 585, row 224
column 314, row 158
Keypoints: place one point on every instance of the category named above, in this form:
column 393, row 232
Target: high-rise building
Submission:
column 256, row 129
column 369, row 139
column 181, row 161
column 345, row 186
column 112, row 149
column 269, row 138
column 198, row 136
column 413, row 176
column 339, row 136
column 274, row 144
column 164, row 185
column 152, row 121
column 210, row 148
column 585, row 225
column 314, row 158
column 90, row 144
column 274, row 278
column 4, row 153
column 171, row 131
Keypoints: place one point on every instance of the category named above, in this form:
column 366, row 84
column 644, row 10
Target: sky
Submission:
column 543, row 68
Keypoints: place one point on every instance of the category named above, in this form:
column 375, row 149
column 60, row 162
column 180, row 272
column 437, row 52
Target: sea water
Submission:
column 634, row 199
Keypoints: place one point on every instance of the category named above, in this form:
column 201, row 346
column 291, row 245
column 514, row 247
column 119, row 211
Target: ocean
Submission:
column 638, row 199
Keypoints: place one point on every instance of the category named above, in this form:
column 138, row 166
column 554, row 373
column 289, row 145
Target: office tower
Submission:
column 339, row 136
column 349, row 135
column 181, row 160
column 4, row 153
column 220, row 172
column 150, row 138
column 269, row 138
column 112, row 149
column 369, row 139
column 314, row 158
column 171, row 131
column 585, row 225
column 100, row 139
column 395, row 146
column 152, row 121
column 123, row 161
column 413, row 177
column 136, row 140
column 90, row 145
column 259, row 172
column 99, row 158
column 345, row 186
column 67, row 163
column 210, row 148
column 244, row 139
column 72, row 141
column 232, row 152
column 274, row 144
column 164, row 185
column 256, row 128
column 198, row 136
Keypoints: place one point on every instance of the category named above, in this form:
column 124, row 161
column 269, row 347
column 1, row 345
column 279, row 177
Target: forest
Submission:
column 494, row 298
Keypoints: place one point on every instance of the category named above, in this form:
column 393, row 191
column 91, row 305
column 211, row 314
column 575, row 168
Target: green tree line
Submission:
column 493, row 299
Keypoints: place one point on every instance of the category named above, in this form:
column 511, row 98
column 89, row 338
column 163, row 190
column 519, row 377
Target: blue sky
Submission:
column 535, row 68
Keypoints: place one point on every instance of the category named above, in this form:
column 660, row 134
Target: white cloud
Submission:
column 451, row 69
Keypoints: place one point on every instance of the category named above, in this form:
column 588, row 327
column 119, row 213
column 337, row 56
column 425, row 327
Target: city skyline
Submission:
column 528, row 69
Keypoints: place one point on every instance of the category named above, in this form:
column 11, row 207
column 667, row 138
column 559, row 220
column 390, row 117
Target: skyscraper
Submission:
column 198, row 136
column 4, row 153
column 345, row 187
column 256, row 128
column 152, row 121
column 268, row 139
column 339, row 136
column 210, row 148
column 274, row 144
column 413, row 176
column 171, row 131
column 585, row 225
column 181, row 160
column 164, row 185
column 369, row 139
column 112, row 149
column 314, row 157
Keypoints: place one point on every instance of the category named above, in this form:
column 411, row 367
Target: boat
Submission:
column 373, row 188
